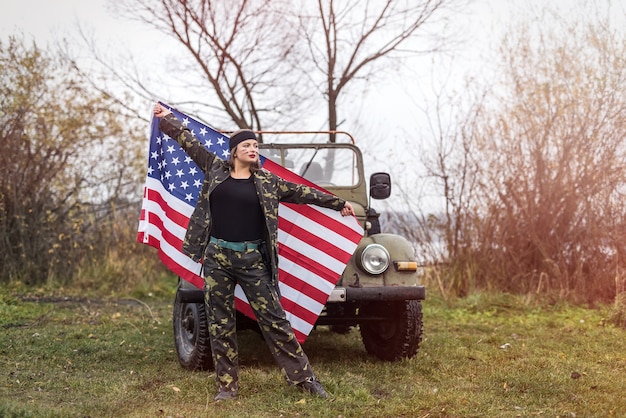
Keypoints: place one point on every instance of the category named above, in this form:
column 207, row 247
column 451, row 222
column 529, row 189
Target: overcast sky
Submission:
column 49, row 20
column 386, row 112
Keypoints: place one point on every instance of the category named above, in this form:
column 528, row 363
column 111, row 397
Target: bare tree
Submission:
column 349, row 40
column 244, row 52
column 239, row 52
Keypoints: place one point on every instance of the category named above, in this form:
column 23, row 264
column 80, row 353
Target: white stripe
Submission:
column 317, row 229
column 173, row 201
column 143, row 225
column 311, row 252
column 299, row 324
column 349, row 221
column 176, row 255
column 305, row 275
column 169, row 225
column 240, row 295
column 300, row 298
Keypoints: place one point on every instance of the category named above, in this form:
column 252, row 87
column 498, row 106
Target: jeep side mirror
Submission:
column 380, row 186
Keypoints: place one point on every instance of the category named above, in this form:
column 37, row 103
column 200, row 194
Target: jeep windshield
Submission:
column 325, row 165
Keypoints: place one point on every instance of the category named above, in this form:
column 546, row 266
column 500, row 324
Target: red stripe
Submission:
column 308, row 264
column 298, row 310
column 174, row 240
column 175, row 216
column 300, row 336
column 140, row 237
column 303, row 286
column 288, row 175
column 171, row 263
column 179, row 270
column 244, row 308
column 326, row 221
column 313, row 240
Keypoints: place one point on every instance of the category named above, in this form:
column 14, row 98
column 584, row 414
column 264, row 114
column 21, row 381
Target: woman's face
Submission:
column 247, row 151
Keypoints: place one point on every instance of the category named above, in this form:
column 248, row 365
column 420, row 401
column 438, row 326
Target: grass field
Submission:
column 485, row 356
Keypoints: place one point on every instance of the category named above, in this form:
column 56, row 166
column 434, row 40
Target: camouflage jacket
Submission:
column 271, row 189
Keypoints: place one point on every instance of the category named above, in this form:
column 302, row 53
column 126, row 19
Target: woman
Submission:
column 233, row 231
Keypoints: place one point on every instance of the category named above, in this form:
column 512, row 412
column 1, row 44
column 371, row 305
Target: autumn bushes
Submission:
column 70, row 182
column 533, row 174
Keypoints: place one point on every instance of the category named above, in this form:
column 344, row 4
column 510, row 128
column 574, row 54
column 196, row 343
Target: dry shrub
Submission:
column 618, row 313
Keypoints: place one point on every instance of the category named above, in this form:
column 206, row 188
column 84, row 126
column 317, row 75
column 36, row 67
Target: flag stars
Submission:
column 183, row 178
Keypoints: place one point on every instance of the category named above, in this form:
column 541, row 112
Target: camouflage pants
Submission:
column 223, row 269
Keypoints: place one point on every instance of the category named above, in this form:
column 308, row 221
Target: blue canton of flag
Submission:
column 173, row 167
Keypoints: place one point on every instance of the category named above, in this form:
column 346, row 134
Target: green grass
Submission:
column 80, row 358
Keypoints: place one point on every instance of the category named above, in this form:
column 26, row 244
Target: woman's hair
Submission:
column 231, row 161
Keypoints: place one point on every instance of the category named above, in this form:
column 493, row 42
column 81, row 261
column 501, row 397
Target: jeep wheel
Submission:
column 394, row 330
column 191, row 336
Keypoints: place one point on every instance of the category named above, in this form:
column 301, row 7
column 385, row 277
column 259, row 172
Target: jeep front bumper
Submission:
column 349, row 294
column 339, row 294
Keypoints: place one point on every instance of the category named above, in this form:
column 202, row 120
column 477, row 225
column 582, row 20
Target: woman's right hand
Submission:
column 161, row 111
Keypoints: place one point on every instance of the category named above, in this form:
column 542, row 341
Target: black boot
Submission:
column 313, row 386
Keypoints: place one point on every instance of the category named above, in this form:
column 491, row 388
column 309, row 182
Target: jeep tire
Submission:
column 191, row 336
column 392, row 331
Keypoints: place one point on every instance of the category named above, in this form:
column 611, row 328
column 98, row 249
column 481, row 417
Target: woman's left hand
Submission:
column 347, row 210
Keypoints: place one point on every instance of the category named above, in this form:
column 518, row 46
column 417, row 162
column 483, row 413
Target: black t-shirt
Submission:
column 236, row 213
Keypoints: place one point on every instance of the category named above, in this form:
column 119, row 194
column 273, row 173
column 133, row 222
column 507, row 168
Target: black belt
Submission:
column 236, row 246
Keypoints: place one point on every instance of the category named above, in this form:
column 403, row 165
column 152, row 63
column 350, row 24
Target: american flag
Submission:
column 314, row 244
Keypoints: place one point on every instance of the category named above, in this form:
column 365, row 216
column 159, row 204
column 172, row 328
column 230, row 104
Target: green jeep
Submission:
column 379, row 289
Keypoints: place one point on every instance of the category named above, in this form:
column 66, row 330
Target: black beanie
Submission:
column 240, row 136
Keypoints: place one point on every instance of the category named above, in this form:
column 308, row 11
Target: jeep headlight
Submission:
column 375, row 259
